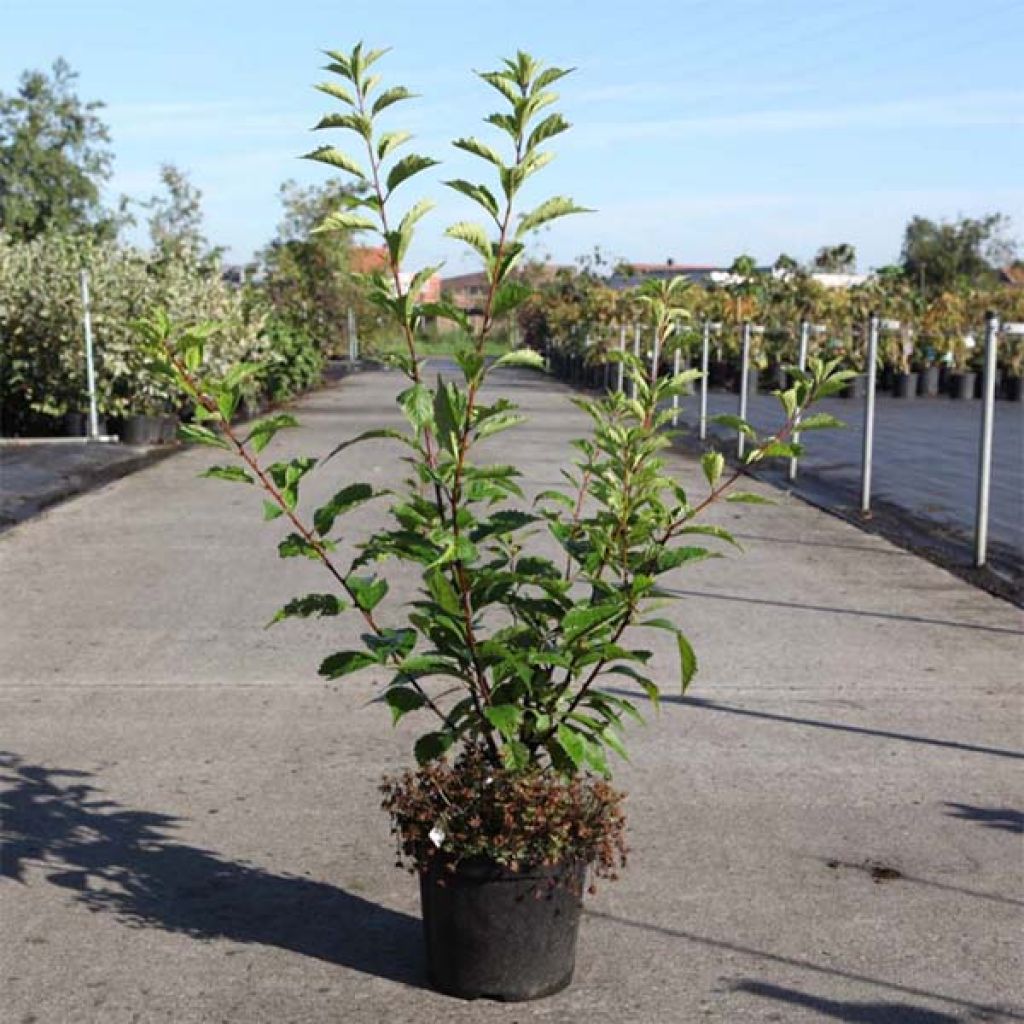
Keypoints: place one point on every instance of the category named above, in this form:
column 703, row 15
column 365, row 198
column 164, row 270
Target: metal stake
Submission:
column 744, row 361
column 706, row 345
column 985, row 452
column 869, row 416
column 90, row 368
column 622, row 365
column 353, row 340
column 675, row 397
column 805, row 334
column 636, row 353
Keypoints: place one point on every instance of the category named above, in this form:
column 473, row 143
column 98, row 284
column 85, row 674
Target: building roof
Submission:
column 1013, row 275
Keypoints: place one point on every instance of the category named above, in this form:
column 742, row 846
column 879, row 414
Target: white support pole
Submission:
column 655, row 357
column 805, row 334
column 985, row 448
column 744, row 364
column 704, row 354
column 622, row 366
column 675, row 397
column 353, row 340
column 90, row 366
column 869, row 416
column 636, row 353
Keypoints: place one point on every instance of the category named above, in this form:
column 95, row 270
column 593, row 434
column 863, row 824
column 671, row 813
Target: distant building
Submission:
column 469, row 291
column 629, row 275
column 367, row 259
column 1013, row 275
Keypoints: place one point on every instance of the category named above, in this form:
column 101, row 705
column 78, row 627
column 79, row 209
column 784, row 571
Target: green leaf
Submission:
column 337, row 91
column 271, row 510
column 712, row 463
column 312, row 604
column 747, row 498
column 672, row 558
column 336, row 158
column 735, row 423
column 522, row 357
column 431, row 746
column 480, row 194
column 372, row 435
column 552, row 125
column 233, row 473
column 714, row 531
column 347, row 498
column 583, row 618
column 475, row 236
column 263, row 431
column 480, row 149
column 202, row 435
column 549, row 210
column 367, row 591
column 506, row 718
column 345, row 663
column 573, row 744
column 389, row 142
column 294, row 545
column 515, row 755
column 687, row 661
column 418, row 405
column 820, row 421
column 402, row 700
column 345, row 220
column 406, row 168
column 390, row 96
column 509, row 296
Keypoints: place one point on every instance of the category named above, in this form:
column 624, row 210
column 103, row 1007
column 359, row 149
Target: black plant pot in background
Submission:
column 904, row 385
column 76, row 424
column 961, row 385
column 495, row 934
column 719, row 374
column 928, row 382
column 168, row 429
column 753, row 380
column 979, row 383
column 141, row 430
column 887, row 381
column 1013, row 391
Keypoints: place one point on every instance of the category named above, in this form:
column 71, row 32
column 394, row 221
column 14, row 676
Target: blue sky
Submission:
column 701, row 129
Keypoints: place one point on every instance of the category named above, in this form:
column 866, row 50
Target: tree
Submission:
column 54, row 157
column 836, row 259
column 308, row 274
column 937, row 255
column 176, row 218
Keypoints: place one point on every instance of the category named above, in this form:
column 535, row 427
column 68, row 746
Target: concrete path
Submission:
column 827, row 828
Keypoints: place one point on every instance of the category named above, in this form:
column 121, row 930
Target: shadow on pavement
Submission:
column 856, row 1013
column 705, row 704
column 122, row 862
column 859, row 612
column 1003, row 818
column 979, row 1011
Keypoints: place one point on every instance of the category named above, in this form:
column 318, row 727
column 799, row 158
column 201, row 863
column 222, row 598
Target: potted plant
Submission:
column 506, row 647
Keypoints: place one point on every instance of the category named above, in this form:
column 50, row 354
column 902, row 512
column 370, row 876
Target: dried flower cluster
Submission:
column 469, row 808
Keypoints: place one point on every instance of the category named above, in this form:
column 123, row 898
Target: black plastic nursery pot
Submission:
column 142, row 430
column 1013, row 391
column 753, row 380
column 76, row 424
column 961, row 385
column 904, row 385
column 928, row 382
column 492, row 933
